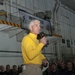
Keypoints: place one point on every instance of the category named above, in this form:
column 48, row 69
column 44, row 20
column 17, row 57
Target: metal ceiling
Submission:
column 69, row 3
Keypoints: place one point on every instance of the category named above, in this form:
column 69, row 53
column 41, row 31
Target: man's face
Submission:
column 69, row 65
column 35, row 29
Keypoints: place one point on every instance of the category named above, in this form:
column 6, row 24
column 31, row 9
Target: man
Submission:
column 32, row 50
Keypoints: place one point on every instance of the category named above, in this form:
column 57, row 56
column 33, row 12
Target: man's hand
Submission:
column 43, row 40
column 46, row 65
column 45, row 62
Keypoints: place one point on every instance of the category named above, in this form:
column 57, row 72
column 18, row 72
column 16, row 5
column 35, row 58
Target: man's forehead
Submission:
column 36, row 21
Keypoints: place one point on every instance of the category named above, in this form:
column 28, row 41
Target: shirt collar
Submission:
column 33, row 35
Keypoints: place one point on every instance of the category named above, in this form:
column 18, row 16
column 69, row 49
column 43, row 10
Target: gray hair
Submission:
column 32, row 23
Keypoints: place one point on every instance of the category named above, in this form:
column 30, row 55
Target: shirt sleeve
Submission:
column 43, row 57
column 30, row 50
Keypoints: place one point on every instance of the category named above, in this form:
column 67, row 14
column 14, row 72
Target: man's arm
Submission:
column 30, row 49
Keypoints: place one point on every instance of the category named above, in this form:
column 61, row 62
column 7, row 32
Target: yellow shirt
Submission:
column 31, row 50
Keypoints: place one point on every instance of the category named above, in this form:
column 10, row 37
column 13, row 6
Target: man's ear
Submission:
column 31, row 28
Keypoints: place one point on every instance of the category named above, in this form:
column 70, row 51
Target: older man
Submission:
column 32, row 50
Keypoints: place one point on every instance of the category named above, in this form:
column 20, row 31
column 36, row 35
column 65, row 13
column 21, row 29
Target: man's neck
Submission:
column 33, row 33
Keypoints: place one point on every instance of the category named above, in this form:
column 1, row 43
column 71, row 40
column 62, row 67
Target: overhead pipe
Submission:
column 55, row 23
column 55, row 11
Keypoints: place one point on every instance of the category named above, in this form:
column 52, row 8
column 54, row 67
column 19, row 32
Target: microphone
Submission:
column 42, row 34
